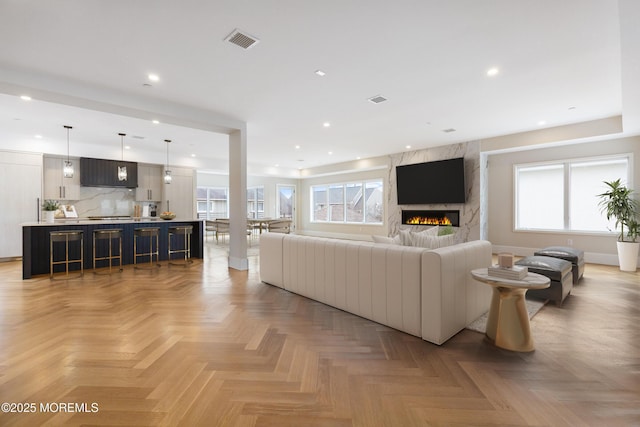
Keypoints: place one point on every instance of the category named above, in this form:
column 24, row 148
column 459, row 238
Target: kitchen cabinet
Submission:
column 179, row 196
column 56, row 186
column 149, row 183
column 20, row 197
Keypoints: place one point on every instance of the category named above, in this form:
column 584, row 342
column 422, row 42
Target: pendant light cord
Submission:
column 68, row 128
column 122, row 135
column 167, row 141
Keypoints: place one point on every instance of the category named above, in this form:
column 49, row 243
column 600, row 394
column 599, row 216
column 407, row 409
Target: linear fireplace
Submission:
column 431, row 217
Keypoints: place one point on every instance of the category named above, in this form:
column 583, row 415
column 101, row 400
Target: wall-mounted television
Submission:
column 440, row 181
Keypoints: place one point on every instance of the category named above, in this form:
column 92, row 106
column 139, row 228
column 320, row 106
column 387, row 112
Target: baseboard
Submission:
column 590, row 257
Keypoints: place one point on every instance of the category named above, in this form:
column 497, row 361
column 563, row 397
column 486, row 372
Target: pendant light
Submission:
column 68, row 166
column 122, row 170
column 167, row 172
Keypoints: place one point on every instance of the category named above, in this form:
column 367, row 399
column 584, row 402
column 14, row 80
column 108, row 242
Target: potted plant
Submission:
column 618, row 203
column 50, row 207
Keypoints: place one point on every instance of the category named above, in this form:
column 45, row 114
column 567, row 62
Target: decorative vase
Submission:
column 49, row 216
column 628, row 255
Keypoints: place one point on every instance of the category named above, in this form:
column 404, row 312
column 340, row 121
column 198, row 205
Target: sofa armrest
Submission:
column 451, row 299
column 271, row 259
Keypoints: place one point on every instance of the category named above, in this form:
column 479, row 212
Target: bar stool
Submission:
column 185, row 231
column 66, row 236
column 152, row 233
column 108, row 234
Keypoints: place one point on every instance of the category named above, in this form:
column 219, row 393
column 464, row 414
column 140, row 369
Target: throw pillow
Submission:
column 387, row 240
column 406, row 238
column 434, row 242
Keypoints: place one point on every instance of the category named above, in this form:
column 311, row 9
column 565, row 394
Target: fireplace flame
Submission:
column 422, row 220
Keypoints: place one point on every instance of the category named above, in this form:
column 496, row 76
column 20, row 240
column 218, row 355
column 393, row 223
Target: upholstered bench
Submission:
column 574, row 256
column 557, row 270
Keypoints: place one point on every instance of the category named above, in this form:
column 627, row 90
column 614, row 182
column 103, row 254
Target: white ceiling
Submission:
column 559, row 61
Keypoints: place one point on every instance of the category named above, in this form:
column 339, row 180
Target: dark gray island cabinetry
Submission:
column 35, row 241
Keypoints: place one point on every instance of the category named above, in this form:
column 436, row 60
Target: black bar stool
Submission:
column 152, row 233
column 108, row 234
column 185, row 231
column 65, row 237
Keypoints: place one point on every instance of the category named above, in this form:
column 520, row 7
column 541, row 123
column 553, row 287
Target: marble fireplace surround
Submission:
column 469, row 228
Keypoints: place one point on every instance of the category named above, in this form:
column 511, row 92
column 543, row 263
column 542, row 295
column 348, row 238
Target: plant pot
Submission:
column 628, row 255
column 49, row 216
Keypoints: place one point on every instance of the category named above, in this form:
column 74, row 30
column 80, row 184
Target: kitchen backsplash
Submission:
column 98, row 201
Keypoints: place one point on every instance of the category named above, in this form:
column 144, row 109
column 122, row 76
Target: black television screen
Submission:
column 441, row 181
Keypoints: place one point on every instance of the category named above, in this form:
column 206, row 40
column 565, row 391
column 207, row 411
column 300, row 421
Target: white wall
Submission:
column 500, row 200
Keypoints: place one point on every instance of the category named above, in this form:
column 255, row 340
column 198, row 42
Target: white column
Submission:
column 238, row 199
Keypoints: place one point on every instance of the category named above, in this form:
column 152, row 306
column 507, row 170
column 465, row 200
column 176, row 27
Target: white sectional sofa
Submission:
column 428, row 293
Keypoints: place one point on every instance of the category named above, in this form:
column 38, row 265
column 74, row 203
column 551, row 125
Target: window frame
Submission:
column 211, row 202
column 344, row 221
column 566, row 165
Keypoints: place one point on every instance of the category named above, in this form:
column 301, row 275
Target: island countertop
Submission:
column 92, row 221
column 36, row 240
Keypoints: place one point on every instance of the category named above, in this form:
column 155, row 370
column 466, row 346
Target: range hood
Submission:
column 104, row 173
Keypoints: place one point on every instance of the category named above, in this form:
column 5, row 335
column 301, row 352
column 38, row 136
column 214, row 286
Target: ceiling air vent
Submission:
column 448, row 130
column 241, row 39
column 377, row 99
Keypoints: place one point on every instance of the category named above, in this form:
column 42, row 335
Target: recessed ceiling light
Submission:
column 493, row 71
column 154, row 77
column 127, row 147
column 297, row 147
column 542, row 123
column 155, row 122
column 330, row 152
column 38, row 136
column 358, row 158
column 25, row 97
column 320, row 73
column 407, row 147
column 193, row 155
column 326, row 124
column 276, row 165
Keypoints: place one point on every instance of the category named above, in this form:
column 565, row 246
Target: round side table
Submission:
column 508, row 321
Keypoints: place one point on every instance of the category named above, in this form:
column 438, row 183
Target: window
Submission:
column 212, row 202
column 354, row 202
column 255, row 202
column 563, row 195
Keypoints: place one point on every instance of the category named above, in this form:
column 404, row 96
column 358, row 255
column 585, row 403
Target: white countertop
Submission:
column 86, row 221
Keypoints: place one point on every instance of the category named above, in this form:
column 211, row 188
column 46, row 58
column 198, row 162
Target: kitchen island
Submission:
column 35, row 240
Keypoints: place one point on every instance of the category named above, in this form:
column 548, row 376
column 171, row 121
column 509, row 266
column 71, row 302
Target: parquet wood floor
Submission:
column 209, row 346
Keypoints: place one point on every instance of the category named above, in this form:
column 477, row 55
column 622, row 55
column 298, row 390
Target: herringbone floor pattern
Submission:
column 209, row 346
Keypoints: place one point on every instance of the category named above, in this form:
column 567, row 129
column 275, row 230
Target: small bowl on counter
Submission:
column 167, row 216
